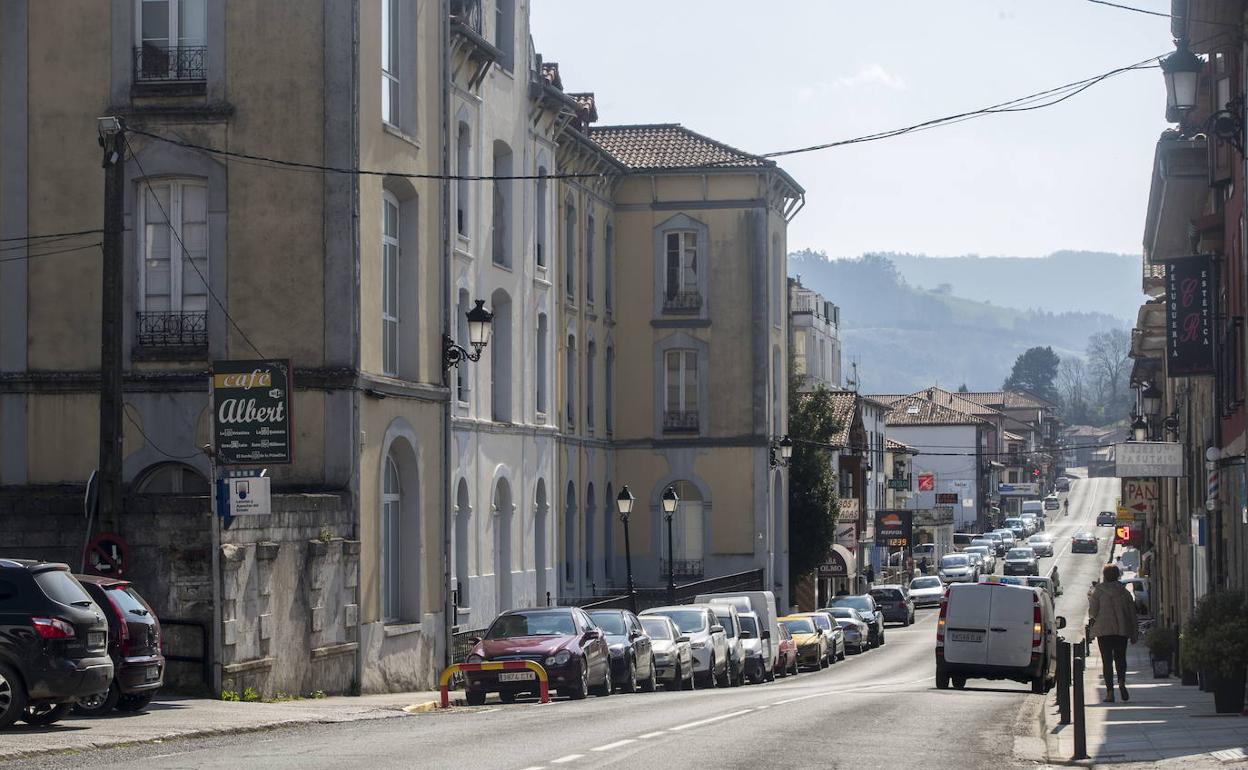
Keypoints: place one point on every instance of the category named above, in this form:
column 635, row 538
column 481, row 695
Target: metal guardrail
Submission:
column 172, row 329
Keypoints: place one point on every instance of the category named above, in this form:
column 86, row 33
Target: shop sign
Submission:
column 894, row 529
column 1142, row 459
column 251, row 423
column 1189, row 316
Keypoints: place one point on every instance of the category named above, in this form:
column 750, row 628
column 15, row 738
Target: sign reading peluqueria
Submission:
column 251, row 411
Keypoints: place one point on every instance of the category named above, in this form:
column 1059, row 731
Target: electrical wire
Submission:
column 186, row 254
column 50, row 235
column 25, row 257
column 1161, row 13
column 126, row 409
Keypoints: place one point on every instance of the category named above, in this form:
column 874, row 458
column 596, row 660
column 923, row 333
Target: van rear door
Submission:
column 966, row 623
column 1010, row 625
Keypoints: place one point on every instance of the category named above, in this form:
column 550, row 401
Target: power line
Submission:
column 186, row 254
column 51, row 253
column 151, row 443
column 1163, row 15
column 50, row 235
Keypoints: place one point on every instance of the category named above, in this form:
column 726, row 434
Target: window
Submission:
column 608, row 257
column 391, row 563
column 500, row 357
column 608, row 532
column 461, row 333
column 171, row 40
column 687, row 529
column 505, row 31
column 173, row 249
column 569, row 536
column 681, row 286
column 541, row 204
column 543, row 334
column 569, row 245
column 591, row 503
column 501, row 222
column 680, row 412
column 171, row 479
column 390, row 286
column 570, row 384
column 591, row 359
column 777, row 282
column 390, row 61
column 609, row 385
column 589, row 260
column 463, row 148
column 462, row 511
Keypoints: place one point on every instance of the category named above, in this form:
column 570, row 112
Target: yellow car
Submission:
column 812, row 645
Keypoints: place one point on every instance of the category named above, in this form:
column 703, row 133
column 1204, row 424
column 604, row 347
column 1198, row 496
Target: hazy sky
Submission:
column 767, row 76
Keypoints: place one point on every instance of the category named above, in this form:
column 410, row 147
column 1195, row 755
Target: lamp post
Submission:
column 479, row 322
column 1182, row 73
column 624, row 504
column 783, row 447
column 670, row 501
column 1139, row 428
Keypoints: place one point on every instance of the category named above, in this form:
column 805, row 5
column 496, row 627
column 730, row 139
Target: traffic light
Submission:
column 1035, row 473
column 1122, row 534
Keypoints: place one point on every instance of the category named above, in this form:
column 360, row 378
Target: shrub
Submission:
column 1216, row 638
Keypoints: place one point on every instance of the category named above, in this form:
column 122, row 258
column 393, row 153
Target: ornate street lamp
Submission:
column 1150, row 400
column 1182, row 72
column 624, row 504
column 480, row 321
column 1139, row 428
column 784, row 447
column 670, row 501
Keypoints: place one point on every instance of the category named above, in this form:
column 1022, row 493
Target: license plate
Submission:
column 95, row 638
column 151, row 674
column 966, row 636
column 516, row 676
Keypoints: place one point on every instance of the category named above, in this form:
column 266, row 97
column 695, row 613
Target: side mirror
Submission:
column 1061, row 621
column 717, row 629
column 682, row 639
column 746, row 635
column 765, row 634
column 593, row 633
column 474, row 640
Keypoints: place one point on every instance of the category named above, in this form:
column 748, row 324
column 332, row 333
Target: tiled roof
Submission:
column 895, row 446
column 843, row 403
column 957, row 401
column 916, row 410
column 588, row 109
column 670, row 146
column 1007, row 399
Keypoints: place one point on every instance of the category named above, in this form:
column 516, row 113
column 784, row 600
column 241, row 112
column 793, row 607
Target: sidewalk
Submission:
column 1165, row 724
column 173, row 717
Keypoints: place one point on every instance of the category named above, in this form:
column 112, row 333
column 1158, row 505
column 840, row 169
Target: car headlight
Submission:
column 475, row 658
column 560, row 658
column 697, row 645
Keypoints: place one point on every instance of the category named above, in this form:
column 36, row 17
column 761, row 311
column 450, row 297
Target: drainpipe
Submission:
column 448, row 606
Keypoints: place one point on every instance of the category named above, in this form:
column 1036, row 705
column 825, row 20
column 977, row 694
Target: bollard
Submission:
column 1063, row 681
column 1081, row 736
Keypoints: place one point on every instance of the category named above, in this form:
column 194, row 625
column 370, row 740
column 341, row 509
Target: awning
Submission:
column 1178, row 195
column 840, row 563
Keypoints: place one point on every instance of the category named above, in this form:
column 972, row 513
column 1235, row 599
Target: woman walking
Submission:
column 1111, row 611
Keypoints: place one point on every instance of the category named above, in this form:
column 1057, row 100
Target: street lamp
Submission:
column 1139, row 429
column 1182, row 72
column 670, row 501
column 479, row 322
column 785, row 448
column 624, row 504
column 1150, row 400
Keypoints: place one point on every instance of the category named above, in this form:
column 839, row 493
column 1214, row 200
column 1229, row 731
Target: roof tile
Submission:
column 670, row 146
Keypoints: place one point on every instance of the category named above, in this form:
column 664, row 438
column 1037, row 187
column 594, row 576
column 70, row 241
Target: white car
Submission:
column 926, row 591
column 1041, row 543
column 673, row 660
column 707, row 641
column 857, row 632
column 987, row 555
column 957, row 568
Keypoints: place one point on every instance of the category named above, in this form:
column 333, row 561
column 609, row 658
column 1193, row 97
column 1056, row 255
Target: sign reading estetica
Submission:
column 251, row 412
column 1141, row 459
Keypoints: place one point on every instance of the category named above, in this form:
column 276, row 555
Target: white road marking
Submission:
column 701, row 722
column 654, row 734
column 486, row 711
column 615, row 745
column 568, row 758
column 535, row 767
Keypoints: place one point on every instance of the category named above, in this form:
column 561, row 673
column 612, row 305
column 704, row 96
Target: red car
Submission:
column 133, row 644
column 564, row 640
column 786, row 653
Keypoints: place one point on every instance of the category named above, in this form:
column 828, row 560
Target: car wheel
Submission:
column 693, row 680
column 959, row 682
column 726, row 679
column 475, row 698
column 12, row 697
column 100, row 703
column 942, row 678
column 582, row 691
column 793, row 669
column 630, row 681
column 136, row 702
column 651, row 683
column 507, row 696
column 46, row 714
column 604, row 688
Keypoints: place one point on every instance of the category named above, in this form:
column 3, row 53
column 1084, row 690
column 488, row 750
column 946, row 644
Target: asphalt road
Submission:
column 875, row 710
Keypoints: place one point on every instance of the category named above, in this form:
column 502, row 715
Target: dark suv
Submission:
column 133, row 645
column 53, row 642
column 895, row 603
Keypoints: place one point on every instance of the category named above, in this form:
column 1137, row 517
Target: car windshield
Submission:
column 611, row 623
column 730, row 630
column 841, row 612
column 1013, row 522
column 1083, row 536
column 822, row 622
column 799, row 625
column 59, row 586
column 954, row 560
column 860, row 603
column 688, row 621
column 656, row 628
column 1037, row 539
column 749, row 626
column 539, row 623
column 885, row 594
column 1020, row 553
column 980, row 543
column 925, row 582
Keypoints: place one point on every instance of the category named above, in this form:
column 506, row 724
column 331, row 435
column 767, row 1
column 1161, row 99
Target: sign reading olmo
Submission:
column 251, row 411
column 1142, row 459
column 894, row 529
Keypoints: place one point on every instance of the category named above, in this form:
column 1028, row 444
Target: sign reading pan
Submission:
column 251, row 411
column 1144, row 459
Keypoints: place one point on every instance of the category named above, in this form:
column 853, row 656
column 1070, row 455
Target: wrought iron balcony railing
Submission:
column 680, row 422
column 468, row 13
column 683, row 568
column 184, row 63
column 173, row 329
column 682, row 302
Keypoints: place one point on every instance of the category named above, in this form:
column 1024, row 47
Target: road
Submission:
column 878, row 709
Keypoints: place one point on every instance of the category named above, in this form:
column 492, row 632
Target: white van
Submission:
column 762, row 604
column 1033, row 506
column 997, row 631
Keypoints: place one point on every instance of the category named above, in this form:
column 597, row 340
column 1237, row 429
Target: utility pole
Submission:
column 113, row 141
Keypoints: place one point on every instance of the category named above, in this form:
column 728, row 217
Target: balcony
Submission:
column 680, row 422
column 682, row 302
column 178, row 64
column 683, row 568
column 468, row 33
column 173, row 330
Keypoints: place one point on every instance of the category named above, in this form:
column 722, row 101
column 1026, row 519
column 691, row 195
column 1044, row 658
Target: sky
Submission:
column 768, row 76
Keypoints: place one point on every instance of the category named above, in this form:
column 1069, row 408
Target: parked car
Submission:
column 957, row 568
column 786, row 652
column 870, row 613
column 924, row 551
column 1021, row 561
column 976, row 559
column 812, row 645
column 564, row 640
column 962, row 540
column 895, row 602
column 997, row 631
column 1034, row 522
column 673, row 660
column 133, row 646
column 632, row 656
column 758, row 658
column 1041, row 543
column 831, row 631
column 762, row 604
column 857, row 632
column 926, row 591
column 1106, row 519
column 1083, row 542
column 1033, row 506
column 53, row 643
column 1138, row 586
column 727, row 616
column 706, row 640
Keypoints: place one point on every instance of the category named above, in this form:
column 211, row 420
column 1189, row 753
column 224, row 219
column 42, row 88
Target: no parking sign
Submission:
column 107, row 555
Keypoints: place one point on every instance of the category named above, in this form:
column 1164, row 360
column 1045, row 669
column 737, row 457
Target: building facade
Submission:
column 814, row 336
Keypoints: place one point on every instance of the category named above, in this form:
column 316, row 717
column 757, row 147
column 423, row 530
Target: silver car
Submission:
column 857, row 632
column 759, row 660
column 987, row 558
column 730, row 620
column 707, row 641
column 957, row 568
column 673, row 660
column 1041, row 543
column 926, row 591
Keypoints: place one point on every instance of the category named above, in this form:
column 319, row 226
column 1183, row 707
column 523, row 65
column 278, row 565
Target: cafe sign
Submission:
column 1189, row 316
column 251, row 407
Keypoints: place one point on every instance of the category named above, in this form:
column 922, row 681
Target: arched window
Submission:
column 463, row 512
column 540, row 205
column 608, row 260
column 591, row 510
column 543, row 341
column 540, row 517
column 569, row 248
column 687, row 532
column 500, row 357
column 570, row 384
column 608, row 397
column 171, row 479
column 463, row 165
column 777, row 393
column 461, row 333
column 591, row 361
column 569, row 536
column 391, row 545
column 501, row 221
column 502, row 544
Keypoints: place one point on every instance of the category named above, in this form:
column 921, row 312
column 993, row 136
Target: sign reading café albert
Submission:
column 251, row 412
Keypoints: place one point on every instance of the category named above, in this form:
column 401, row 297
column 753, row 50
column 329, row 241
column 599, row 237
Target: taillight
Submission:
column 122, row 624
column 1035, row 624
column 940, row 623
column 53, row 628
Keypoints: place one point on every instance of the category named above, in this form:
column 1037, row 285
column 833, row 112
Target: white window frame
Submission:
column 390, row 90
column 685, row 391
column 390, row 287
column 687, row 256
column 176, row 252
column 175, row 33
column 391, row 544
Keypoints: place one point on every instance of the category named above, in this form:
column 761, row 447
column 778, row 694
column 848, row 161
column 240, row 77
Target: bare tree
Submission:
column 1109, row 360
column 1072, row 383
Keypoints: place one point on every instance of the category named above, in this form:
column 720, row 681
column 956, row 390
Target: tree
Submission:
column 813, row 499
column 1072, row 382
column 963, row 389
column 1035, row 370
column 1109, row 360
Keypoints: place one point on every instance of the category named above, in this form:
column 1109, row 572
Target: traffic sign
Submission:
column 1122, row 534
column 107, row 555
